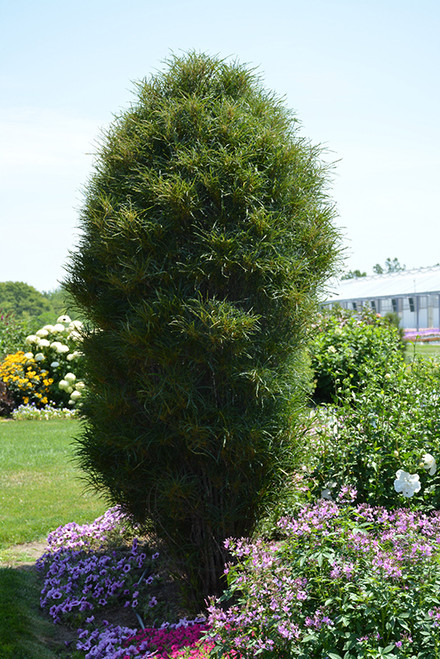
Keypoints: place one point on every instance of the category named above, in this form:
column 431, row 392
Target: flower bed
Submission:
column 424, row 335
column 340, row 582
column 337, row 581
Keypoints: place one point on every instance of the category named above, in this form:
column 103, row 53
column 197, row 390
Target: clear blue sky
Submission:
column 362, row 77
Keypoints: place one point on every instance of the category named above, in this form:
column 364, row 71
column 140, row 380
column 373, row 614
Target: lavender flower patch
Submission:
column 343, row 582
column 78, row 582
column 81, row 536
column 109, row 642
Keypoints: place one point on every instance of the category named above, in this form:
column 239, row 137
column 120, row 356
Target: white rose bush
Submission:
column 384, row 440
column 407, row 484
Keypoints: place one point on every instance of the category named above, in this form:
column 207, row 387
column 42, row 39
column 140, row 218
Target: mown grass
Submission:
column 40, row 489
column 40, row 484
column 421, row 350
column 24, row 632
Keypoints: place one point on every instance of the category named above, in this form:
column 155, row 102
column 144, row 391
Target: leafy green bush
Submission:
column 206, row 234
column 53, row 372
column 12, row 333
column 346, row 346
column 371, row 434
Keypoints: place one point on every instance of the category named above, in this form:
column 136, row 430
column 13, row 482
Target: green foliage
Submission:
column 57, row 349
column 51, row 371
column 391, row 265
column 347, row 346
column 26, row 308
column 206, row 233
column 24, row 301
column 353, row 274
column 61, row 304
column 370, row 434
column 12, row 333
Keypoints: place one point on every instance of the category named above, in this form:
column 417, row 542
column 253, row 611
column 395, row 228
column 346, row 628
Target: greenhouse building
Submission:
column 413, row 294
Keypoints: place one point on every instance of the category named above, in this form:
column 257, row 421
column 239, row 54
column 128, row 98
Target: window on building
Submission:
column 395, row 304
column 373, row 304
column 354, row 305
column 412, row 306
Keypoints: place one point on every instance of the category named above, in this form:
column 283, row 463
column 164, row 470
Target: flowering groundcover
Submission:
column 338, row 583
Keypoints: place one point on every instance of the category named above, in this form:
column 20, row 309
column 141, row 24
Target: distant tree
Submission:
column 23, row 300
column 391, row 265
column 353, row 274
column 31, row 308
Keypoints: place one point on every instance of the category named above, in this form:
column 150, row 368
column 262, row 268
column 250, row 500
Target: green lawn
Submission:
column 422, row 350
column 40, row 485
column 40, row 489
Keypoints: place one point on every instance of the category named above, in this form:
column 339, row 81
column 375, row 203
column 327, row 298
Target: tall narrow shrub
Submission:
column 206, row 233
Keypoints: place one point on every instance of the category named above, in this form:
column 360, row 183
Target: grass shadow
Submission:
column 24, row 632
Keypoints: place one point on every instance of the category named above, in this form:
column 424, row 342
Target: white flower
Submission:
column 326, row 494
column 429, row 463
column 58, row 327
column 55, row 364
column 73, row 355
column 42, row 333
column 28, row 355
column 59, row 347
column 407, row 484
column 63, row 319
column 70, row 377
column 76, row 325
column 63, row 384
column 48, row 328
column 79, row 386
column 31, row 339
column 39, row 357
column 75, row 336
column 331, row 349
column 43, row 343
column 75, row 395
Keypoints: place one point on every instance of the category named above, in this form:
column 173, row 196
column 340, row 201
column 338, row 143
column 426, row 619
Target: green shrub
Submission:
column 206, row 234
column 346, row 346
column 57, row 349
column 371, row 434
column 50, row 372
column 12, row 333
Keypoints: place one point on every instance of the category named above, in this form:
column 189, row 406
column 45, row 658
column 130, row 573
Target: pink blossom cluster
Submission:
column 170, row 641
